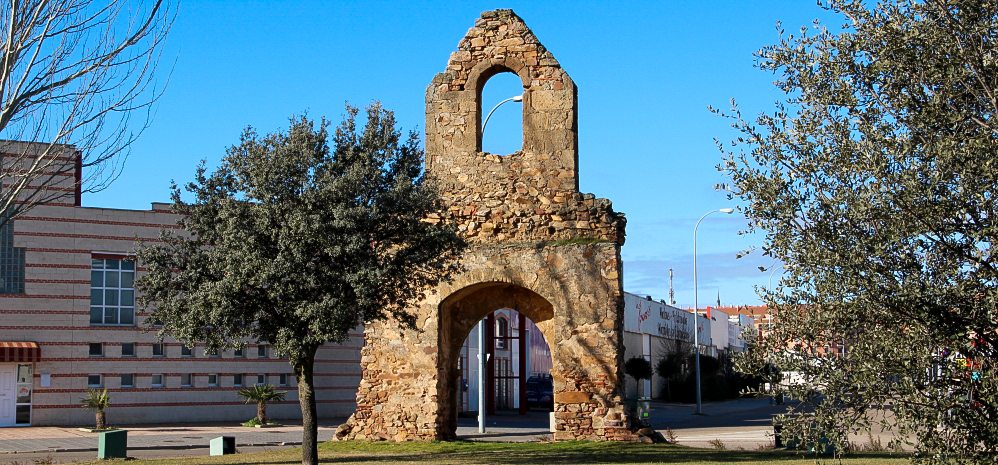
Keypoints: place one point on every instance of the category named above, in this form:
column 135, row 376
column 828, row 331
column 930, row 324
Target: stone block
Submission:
column 572, row 397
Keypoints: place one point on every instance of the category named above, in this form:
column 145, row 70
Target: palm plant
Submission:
column 97, row 400
column 261, row 394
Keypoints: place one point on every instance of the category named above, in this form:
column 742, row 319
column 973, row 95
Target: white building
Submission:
column 653, row 329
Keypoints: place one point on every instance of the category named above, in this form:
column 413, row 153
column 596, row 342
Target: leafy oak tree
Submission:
column 875, row 182
column 296, row 241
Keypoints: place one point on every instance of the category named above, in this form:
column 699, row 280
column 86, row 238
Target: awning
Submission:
column 20, row 352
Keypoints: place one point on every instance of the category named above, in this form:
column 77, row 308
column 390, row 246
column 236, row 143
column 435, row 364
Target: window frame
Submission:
column 101, row 265
column 99, row 353
column 162, row 380
column 502, row 333
column 213, row 383
column 189, row 382
column 100, row 381
column 238, row 379
column 162, row 349
column 130, row 384
column 128, row 344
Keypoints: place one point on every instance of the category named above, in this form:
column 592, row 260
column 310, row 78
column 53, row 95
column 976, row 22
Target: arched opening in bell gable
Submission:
column 502, row 132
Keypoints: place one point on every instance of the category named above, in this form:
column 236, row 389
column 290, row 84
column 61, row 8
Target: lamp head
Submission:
column 518, row 98
column 727, row 210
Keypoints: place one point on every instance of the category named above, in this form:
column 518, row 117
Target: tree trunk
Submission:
column 306, row 399
column 101, row 420
column 261, row 412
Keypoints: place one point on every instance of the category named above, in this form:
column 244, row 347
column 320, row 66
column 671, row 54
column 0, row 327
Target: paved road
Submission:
column 507, row 427
column 742, row 423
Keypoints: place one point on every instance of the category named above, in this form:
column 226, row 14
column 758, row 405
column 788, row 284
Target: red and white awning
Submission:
column 20, row 352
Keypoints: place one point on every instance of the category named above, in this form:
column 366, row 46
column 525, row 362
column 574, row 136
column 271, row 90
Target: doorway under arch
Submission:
column 460, row 313
column 518, row 389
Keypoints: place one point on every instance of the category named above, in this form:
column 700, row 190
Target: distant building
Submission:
column 653, row 329
column 68, row 322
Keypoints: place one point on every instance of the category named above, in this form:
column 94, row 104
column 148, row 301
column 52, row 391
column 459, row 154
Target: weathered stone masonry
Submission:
column 536, row 245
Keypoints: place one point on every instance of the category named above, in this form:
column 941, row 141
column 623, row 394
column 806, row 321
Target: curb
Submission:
column 165, row 447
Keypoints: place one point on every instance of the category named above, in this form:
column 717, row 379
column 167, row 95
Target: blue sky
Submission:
column 646, row 73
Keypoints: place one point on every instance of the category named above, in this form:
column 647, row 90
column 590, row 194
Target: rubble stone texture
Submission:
column 537, row 245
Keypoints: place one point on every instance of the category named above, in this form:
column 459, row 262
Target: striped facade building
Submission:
column 68, row 322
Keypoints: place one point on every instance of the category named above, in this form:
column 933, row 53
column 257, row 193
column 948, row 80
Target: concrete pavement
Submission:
column 45, row 439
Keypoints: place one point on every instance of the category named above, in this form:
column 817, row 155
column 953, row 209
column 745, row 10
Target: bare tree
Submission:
column 74, row 74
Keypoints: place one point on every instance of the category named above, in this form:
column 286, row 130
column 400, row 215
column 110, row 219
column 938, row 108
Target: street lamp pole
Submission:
column 515, row 98
column 696, row 308
column 482, row 356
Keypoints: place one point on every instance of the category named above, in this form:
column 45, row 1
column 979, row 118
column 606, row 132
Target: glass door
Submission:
column 25, row 380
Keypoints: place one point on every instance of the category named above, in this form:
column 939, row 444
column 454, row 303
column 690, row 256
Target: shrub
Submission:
column 261, row 395
column 97, row 400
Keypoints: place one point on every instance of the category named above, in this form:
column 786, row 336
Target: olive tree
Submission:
column 874, row 180
column 296, row 241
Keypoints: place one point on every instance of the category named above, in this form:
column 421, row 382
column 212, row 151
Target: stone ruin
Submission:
column 536, row 245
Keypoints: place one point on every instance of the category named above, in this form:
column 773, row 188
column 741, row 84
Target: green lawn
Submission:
column 357, row 452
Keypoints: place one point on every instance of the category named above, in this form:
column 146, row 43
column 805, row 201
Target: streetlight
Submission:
column 515, row 98
column 696, row 306
column 482, row 356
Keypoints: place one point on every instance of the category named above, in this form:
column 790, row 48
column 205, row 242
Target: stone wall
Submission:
column 537, row 245
column 532, row 194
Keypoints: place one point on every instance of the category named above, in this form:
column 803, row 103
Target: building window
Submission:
column 11, row 260
column 112, row 292
column 96, row 349
column 211, row 352
column 187, row 380
column 213, row 380
column 237, row 380
column 128, row 349
column 261, row 351
column 127, row 381
column 94, row 381
column 157, row 380
column 157, row 350
column 283, row 379
column 261, row 380
column 186, row 351
column 502, row 333
column 239, row 352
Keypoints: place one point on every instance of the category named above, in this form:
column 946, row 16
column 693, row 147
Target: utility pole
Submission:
column 672, row 292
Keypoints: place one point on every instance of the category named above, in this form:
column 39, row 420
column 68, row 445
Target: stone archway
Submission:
column 462, row 310
column 535, row 244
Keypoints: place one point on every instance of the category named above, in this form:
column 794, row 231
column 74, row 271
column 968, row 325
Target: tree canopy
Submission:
column 874, row 180
column 296, row 242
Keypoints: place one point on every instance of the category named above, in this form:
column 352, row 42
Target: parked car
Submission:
column 540, row 392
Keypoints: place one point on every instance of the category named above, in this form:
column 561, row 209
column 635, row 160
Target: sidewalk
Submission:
column 35, row 439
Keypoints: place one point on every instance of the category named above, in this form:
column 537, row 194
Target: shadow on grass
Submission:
column 460, row 452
